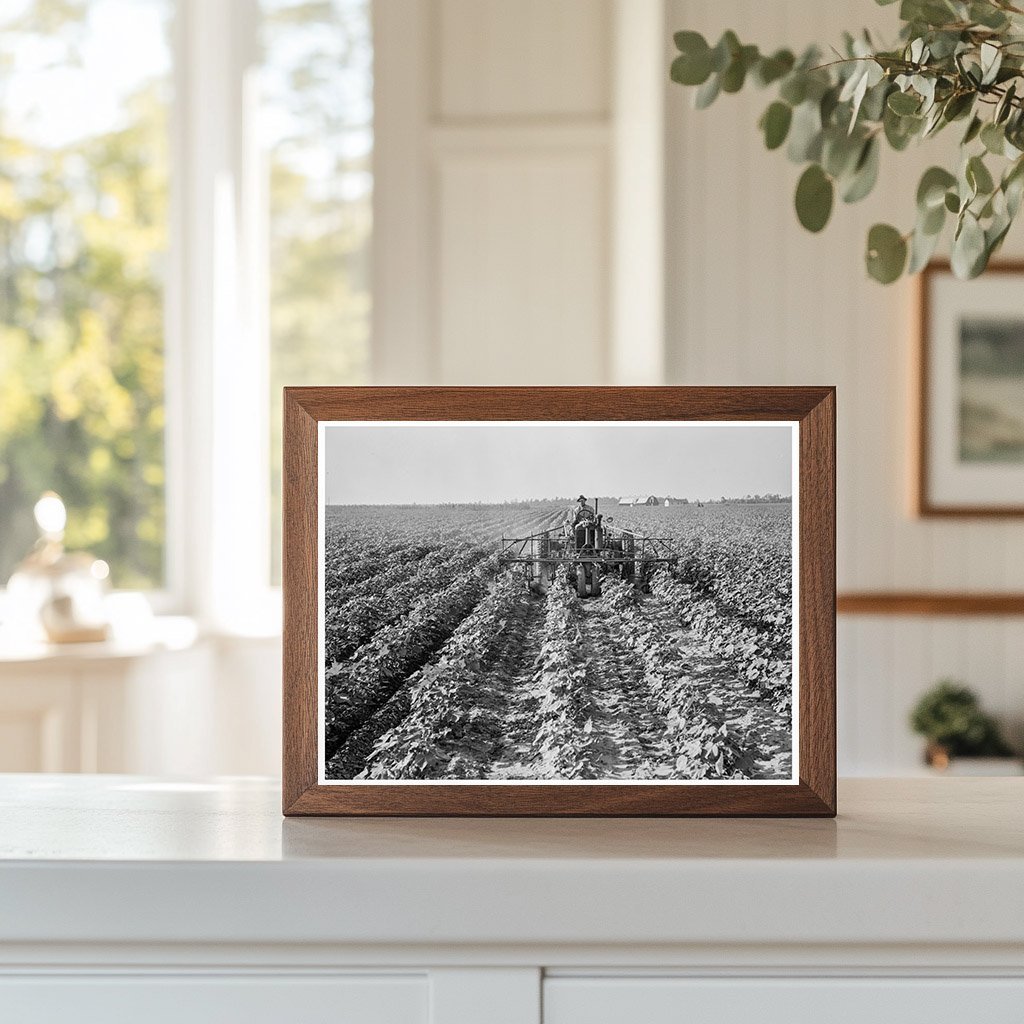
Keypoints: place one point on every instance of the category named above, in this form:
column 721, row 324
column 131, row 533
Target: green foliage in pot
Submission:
column 950, row 717
column 957, row 62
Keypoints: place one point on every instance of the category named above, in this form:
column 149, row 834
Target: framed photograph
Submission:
column 559, row 601
column 970, row 450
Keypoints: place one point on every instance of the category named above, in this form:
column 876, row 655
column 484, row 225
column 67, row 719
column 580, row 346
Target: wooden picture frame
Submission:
column 926, row 503
column 811, row 410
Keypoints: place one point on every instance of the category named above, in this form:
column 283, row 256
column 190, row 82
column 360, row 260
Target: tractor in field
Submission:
column 586, row 550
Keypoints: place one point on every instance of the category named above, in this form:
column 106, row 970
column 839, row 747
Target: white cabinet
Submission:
column 216, row 1000
column 127, row 899
column 625, row 1000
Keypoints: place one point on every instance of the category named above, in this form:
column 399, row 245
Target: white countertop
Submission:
column 121, row 859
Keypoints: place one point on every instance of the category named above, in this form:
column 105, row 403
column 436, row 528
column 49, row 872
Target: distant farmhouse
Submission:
column 639, row 499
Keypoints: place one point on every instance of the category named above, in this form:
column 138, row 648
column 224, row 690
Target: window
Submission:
column 83, row 235
column 317, row 116
column 239, row 217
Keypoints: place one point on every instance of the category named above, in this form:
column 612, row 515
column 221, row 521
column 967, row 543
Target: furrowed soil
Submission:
column 475, row 677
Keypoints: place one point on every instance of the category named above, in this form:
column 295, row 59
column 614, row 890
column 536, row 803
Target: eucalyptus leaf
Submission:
column 775, row 124
column 691, row 70
column 931, row 190
column 771, row 69
column 991, row 60
column 932, row 220
column 930, row 12
column 993, row 138
column 687, row 41
column 957, row 106
column 814, row 195
column 865, row 173
column 735, row 74
column 1005, row 105
column 840, row 152
column 922, row 248
column 886, row 253
column 944, row 44
column 987, row 210
column 1014, row 192
column 873, row 106
column 707, row 93
column 925, row 87
column 867, row 74
column 978, row 175
column 794, row 88
column 933, row 122
column 966, row 187
column 904, row 103
column 987, row 15
column 900, row 130
column 725, row 50
column 827, row 106
column 805, row 133
column 973, row 130
column 968, row 248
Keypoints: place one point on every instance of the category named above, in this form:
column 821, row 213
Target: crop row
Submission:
column 694, row 729
column 359, row 619
column 734, row 585
column 392, row 571
column 564, row 737
column 448, row 715
column 394, row 652
column 355, row 566
column 759, row 651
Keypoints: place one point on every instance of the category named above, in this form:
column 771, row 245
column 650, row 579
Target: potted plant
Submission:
column 950, row 718
column 956, row 62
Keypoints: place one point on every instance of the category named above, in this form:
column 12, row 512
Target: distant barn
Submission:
column 639, row 499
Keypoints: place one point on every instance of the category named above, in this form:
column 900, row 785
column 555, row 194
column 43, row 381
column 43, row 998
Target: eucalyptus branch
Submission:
column 955, row 61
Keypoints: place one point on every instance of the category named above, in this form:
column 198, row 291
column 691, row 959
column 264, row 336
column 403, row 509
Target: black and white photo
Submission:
column 538, row 602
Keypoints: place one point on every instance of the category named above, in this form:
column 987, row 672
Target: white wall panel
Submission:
column 521, row 278
column 526, row 58
column 754, row 299
column 494, row 204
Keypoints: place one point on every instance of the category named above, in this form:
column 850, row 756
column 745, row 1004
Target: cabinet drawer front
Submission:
column 783, row 1001
column 202, row 999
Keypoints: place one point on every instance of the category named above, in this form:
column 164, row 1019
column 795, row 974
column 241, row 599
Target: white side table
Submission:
column 95, row 707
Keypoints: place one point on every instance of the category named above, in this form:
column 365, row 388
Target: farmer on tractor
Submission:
column 578, row 513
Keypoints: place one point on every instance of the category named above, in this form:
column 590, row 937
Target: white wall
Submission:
column 754, row 299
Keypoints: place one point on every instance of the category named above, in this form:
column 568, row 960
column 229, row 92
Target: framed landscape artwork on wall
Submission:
column 970, row 450
column 590, row 601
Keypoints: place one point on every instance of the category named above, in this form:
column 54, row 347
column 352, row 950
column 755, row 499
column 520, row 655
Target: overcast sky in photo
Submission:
column 432, row 463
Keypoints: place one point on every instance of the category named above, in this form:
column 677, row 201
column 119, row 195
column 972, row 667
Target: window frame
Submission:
column 216, row 329
column 217, row 440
